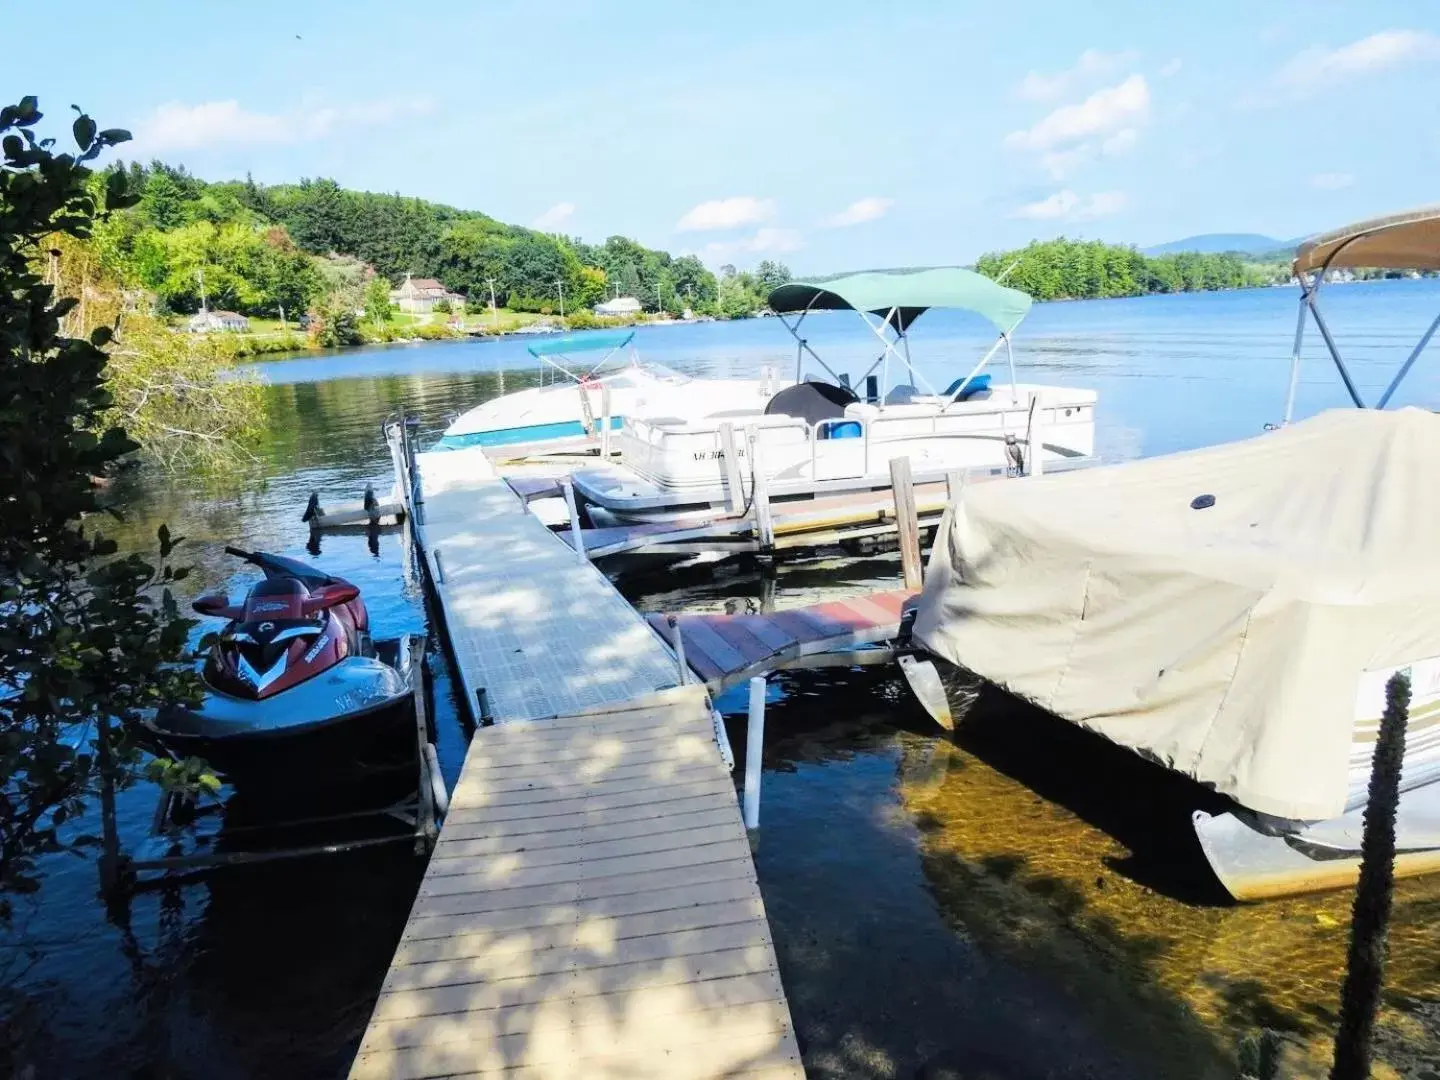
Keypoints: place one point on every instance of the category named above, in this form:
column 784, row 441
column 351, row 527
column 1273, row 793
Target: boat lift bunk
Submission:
column 673, row 469
column 1404, row 241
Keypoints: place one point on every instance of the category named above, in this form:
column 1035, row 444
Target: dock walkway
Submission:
column 590, row 909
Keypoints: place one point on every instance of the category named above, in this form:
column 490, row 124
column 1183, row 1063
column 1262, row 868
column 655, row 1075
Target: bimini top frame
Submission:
column 889, row 301
column 610, row 342
column 1407, row 241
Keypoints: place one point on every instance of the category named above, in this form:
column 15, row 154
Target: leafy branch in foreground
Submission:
column 88, row 638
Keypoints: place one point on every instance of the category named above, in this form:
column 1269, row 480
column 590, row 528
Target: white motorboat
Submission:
column 1232, row 613
column 816, row 437
column 572, row 410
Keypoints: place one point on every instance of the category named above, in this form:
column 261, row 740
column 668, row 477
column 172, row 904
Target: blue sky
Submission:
column 830, row 135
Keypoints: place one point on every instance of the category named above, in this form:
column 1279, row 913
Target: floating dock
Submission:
column 725, row 650
column 591, row 907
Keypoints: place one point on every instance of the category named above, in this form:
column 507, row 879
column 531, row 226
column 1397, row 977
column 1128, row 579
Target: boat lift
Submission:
column 1405, row 241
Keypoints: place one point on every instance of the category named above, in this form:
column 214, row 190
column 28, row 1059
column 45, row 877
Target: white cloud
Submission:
column 1067, row 206
column 729, row 213
column 1315, row 68
column 870, row 208
column 553, row 218
column 1092, row 66
column 177, row 126
column 1332, row 181
column 1102, row 113
column 766, row 241
column 1172, row 68
column 1062, row 163
column 1122, row 142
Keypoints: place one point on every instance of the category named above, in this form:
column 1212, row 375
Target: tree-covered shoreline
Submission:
column 264, row 248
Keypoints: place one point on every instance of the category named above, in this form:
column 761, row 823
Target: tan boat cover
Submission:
column 1227, row 642
column 1406, row 241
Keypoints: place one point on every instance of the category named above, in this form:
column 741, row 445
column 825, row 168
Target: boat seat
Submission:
column 276, row 598
column 811, row 401
column 979, row 384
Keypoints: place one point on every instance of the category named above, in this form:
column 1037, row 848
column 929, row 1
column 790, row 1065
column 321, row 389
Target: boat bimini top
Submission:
column 610, row 342
column 1406, row 241
column 889, row 302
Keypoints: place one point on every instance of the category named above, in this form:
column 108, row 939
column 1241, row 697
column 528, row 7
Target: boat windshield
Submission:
column 620, row 371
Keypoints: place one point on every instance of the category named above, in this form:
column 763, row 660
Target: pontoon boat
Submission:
column 1233, row 613
column 568, row 411
column 820, row 437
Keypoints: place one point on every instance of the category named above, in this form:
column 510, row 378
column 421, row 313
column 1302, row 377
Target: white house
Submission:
column 419, row 296
column 621, row 305
column 205, row 321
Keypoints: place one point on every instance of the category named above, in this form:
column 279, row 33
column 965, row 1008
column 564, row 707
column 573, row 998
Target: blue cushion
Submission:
column 840, row 429
column 976, row 385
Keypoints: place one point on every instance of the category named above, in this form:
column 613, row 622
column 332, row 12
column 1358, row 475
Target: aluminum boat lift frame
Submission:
column 1406, row 241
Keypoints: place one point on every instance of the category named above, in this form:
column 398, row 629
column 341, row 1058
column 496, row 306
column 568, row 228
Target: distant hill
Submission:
column 1246, row 243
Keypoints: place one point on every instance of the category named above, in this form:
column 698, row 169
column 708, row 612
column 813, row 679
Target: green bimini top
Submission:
column 909, row 294
column 592, row 342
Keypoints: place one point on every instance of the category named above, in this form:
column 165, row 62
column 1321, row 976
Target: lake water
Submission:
column 937, row 905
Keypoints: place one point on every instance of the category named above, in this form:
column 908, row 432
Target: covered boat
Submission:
column 839, row 434
column 575, row 401
column 1232, row 613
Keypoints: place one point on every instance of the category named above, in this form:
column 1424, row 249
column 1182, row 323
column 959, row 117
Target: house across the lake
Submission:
column 418, row 296
column 621, row 305
column 206, row 321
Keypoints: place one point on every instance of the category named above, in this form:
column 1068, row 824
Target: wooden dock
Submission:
column 724, row 650
column 591, row 908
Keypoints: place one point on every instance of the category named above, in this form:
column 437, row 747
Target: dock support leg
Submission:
column 576, row 536
column 677, row 642
column 734, row 495
column 604, row 422
column 754, row 748
column 907, row 524
column 760, row 493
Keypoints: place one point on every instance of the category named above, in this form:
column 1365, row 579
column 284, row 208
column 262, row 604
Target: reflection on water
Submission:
column 938, row 909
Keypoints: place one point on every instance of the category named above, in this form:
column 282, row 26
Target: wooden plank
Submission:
column 522, row 959
column 808, row 624
column 476, row 943
column 489, row 790
column 594, row 1024
column 462, row 860
column 738, row 635
column 460, row 847
column 766, row 631
column 508, row 874
column 654, row 794
column 565, row 823
column 700, row 638
column 679, row 971
column 678, row 897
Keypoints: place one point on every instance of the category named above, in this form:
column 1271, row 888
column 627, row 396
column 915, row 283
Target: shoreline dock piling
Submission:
column 677, row 642
column 906, row 522
column 576, row 536
column 760, row 493
column 754, row 749
column 482, row 706
column 734, row 494
column 604, row 422
column 439, row 567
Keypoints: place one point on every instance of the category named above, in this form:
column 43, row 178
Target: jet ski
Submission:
column 295, row 682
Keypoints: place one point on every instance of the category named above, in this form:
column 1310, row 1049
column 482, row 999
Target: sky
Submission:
column 831, row 136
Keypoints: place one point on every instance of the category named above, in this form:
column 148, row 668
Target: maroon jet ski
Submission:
column 294, row 680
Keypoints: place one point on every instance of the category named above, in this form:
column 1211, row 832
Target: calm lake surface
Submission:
column 939, row 907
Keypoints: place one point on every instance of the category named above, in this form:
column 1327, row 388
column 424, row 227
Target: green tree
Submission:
column 85, row 642
column 377, row 300
column 771, row 275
